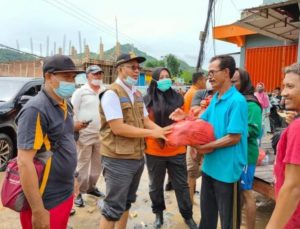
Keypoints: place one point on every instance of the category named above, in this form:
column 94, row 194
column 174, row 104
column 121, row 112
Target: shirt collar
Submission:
column 227, row 94
column 54, row 102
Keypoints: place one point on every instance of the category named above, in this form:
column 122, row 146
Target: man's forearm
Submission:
column 129, row 131
column 149, row 124
column 30, row 185
column 228, row 140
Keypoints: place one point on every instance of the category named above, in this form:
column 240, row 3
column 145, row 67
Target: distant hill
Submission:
column 126, row 49
column 7, row 55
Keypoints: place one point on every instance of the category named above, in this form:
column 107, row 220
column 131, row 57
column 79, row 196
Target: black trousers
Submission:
column 218, row 197
column 176, row 166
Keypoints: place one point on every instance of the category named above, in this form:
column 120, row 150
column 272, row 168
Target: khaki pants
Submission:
column 193, row 162
column 88, row 165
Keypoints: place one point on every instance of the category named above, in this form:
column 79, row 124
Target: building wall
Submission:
column 21, row 68
column 266, row 64
column 255, row 41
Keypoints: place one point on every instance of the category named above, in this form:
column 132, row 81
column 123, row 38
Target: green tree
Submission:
column 172, row 64
column 155, row 63
column 187, row 76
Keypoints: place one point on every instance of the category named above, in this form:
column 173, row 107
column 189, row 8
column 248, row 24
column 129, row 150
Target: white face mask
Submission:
column 130, row 81
column 97, row 82
column 208, row 86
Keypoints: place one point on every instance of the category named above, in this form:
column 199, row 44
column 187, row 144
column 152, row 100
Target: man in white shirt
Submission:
column 85, row 102
column 124, row 125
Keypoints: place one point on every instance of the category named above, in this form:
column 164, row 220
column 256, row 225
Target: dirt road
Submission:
column 140, row 214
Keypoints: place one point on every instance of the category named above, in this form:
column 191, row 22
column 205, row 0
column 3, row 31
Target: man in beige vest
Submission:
column 124, row 125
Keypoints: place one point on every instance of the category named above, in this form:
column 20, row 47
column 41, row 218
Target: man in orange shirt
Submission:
column 198, row 81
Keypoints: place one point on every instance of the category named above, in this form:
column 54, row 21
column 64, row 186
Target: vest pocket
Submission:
column 125, row 146
column 128, row 116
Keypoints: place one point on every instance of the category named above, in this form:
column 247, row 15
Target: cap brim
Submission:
column 70, row 71
column 95, row 71
column 139, row 59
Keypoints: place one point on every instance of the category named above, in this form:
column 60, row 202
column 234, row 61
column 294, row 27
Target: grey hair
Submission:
column 294, row 68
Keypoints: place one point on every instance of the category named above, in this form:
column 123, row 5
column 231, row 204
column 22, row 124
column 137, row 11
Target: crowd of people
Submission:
column 117, row 130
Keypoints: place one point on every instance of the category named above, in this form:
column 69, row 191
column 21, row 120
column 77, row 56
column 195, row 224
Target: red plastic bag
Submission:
column 191, row 132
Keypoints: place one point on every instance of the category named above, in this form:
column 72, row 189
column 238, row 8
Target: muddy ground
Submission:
column 140, row 214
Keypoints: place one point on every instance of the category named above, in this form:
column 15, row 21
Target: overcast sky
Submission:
column 158, row 27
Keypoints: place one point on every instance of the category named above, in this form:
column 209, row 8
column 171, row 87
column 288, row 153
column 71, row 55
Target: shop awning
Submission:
column 232, row 33
column 279, row 21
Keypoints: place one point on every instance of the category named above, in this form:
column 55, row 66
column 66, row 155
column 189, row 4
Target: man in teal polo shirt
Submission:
column 226, row 157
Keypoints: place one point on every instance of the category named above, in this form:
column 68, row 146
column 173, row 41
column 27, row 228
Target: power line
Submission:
column 74, row 11
column 98, row 21
column 19, row 51
column 203, row 37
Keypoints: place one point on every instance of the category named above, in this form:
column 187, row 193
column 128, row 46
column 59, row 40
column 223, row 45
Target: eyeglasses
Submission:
column 133, row 67
column 213, row 72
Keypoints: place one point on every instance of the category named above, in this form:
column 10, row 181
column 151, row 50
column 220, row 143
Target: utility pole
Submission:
column 18, row 46
column 41, row 50
column 79, row 40
column 118, row 46
column 203, row 36
column 31, row 45
column 64, row 45
column 47, row 52
column 54, row 48
column 70, row 47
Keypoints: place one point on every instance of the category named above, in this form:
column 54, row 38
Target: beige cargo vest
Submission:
column 120, row 147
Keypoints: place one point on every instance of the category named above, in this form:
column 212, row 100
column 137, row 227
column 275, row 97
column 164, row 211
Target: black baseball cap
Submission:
column 126, row 57
column 58, row 64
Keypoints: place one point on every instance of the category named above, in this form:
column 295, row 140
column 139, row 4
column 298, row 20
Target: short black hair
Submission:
column 226, row 61
column 196, row 76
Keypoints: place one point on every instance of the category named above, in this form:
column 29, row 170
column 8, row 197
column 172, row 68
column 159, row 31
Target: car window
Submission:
column 33, row 90
column 8, row 89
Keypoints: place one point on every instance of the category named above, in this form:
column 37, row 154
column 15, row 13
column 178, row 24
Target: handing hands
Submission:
column 161, row 132
column 178, row 115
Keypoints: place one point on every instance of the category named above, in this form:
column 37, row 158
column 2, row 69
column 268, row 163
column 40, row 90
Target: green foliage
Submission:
column 187, row 76
column 172, row 64
column 155, row 63
column 9, row 55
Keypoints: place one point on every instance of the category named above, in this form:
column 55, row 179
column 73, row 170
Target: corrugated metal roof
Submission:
column 279, row 20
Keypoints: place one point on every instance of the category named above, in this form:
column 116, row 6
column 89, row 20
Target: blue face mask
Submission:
column 164, row 84
column 65, row 89
column 130, row 81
